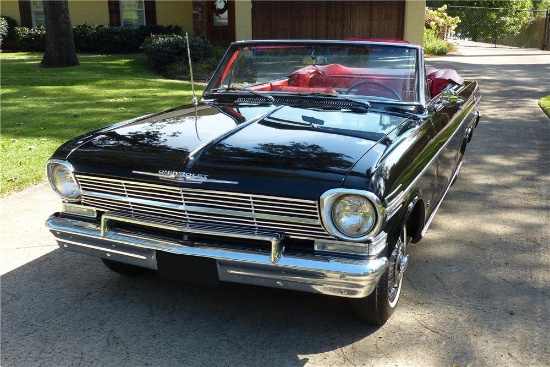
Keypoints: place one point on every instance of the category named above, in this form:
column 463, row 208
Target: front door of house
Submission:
column 220, row 21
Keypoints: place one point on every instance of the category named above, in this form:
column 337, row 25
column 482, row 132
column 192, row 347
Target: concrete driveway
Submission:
column 478, row 288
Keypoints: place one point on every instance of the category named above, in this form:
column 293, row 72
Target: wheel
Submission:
column 380, row 304
column 124, row 269
column 389, row 89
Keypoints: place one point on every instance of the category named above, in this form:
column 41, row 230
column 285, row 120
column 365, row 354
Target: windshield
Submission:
column 366, row 71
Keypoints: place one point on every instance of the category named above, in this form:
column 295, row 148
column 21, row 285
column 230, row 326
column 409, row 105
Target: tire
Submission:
column 124, row 269
column 377, row 307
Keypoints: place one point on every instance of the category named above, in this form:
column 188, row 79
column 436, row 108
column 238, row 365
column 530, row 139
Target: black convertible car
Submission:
column 307, row 165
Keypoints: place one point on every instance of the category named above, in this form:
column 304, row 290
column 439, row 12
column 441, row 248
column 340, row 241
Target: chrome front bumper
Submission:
column 319, row 273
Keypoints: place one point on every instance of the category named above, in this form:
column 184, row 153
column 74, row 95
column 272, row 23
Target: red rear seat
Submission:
column 438, row 80
column 289, row 88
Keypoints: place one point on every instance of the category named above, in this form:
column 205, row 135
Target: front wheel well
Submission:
column 415, row 221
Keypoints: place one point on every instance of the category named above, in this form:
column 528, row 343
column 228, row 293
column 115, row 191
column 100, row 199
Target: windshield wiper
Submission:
column 269, row 98
column 357, row 105
column 365, row 104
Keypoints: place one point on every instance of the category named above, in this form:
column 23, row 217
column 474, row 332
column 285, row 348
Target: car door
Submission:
column 449, row 135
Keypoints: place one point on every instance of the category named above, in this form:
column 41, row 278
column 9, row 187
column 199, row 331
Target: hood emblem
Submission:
column 183, row 177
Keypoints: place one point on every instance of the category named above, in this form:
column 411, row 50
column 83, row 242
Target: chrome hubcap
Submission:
column 399, row 261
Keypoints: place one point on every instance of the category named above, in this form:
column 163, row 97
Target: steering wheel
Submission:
column 389, row 89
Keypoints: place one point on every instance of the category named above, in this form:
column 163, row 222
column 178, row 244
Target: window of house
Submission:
column 132, row 13
column 37, row 13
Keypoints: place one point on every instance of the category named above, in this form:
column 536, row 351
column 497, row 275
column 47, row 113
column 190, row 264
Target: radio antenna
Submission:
column 195, row 100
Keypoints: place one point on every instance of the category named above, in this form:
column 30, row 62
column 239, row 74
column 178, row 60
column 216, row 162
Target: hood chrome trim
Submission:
column 184, row 177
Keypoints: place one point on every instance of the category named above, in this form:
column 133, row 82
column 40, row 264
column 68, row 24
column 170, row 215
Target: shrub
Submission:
column 115, row 40
column 32, row 39
column 83, row 36
column 3, row 29
column 146, row 30
column 434, row 45
column 163, row 50
column 11, row 28
column 200, row 49
column 101, row 38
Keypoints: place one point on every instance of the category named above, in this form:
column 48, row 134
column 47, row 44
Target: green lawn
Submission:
column 544, row 103
column 42, row 108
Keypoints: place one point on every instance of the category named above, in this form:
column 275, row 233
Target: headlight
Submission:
column 353, row 215
column 62, row 180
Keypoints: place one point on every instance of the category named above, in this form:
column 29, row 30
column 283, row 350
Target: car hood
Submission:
column 263, row 150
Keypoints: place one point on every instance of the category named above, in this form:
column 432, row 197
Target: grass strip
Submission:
column 42, row 108
column 544, row 103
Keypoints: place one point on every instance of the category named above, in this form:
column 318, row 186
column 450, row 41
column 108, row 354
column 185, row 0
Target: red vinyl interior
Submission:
column 329, row 78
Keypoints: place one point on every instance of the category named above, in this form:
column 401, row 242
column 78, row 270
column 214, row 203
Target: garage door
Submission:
column 327, row 19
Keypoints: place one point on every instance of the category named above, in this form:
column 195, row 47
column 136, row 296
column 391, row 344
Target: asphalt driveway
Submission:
column 477, row 289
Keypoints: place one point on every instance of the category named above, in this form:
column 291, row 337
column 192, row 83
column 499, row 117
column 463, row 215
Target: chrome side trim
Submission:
column 432, row 216
column 325, row 274
column 394, row 205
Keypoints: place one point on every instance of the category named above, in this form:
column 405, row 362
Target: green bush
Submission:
column 125, row 40
column 163, row 50
column 101, row 39
column 10, row 36
column 115, row 40
column 200, row 49
column 434, row 45
column 3, row 29
column 32, row 39
column 83, row 36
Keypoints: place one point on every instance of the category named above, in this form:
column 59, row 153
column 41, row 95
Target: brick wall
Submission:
column 199, row 28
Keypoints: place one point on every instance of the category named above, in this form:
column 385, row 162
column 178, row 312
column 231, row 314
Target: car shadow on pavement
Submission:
column 68, row 309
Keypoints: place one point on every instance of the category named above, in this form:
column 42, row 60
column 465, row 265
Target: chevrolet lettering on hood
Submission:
column 307, row 165
column 183, row 177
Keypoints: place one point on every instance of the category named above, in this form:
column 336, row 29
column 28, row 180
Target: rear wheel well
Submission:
column 415, row 221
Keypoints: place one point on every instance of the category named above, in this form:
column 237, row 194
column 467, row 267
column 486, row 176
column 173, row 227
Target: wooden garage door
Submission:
column 327, row 19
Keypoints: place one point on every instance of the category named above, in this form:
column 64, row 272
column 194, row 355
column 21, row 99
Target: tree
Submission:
column 541, row 4
column 442, row 25
column 60, row 49
column 497, row 19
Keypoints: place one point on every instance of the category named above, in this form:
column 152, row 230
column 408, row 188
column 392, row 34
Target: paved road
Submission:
column 478, row 289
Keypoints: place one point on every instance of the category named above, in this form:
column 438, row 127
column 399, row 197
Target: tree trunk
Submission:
column 60, row 50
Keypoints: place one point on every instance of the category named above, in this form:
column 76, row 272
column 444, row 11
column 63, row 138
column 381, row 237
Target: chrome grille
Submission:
column 182, row 207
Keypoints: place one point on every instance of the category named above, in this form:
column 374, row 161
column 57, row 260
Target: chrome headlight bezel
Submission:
column 52, row 171
column 330, row 198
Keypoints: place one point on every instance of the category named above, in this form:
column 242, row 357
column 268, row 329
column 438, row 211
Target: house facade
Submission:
column 223, row 21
